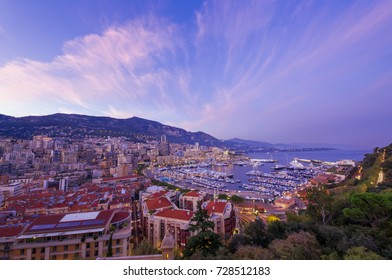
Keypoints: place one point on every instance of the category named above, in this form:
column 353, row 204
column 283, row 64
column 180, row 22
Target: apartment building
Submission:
column 160, row 215
column 68, row 236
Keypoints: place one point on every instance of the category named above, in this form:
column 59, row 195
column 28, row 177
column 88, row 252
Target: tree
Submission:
column 236, row 241
column 297, row 246
column 223, row 196
column 277, row 229
column 236, row 199
column 110, row 244
column 333, row 240
column 361, row 253
column 256, row 233
column 272, row 218
column 201, row 220
column 253, row 253
column 369, row 208
column 145, row 248
column 206, row 241
column 320, row 204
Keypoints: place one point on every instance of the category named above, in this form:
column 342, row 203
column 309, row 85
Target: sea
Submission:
column 284, row 158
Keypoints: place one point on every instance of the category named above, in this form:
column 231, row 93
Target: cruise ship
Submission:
column 295, row 164
column 278, row 167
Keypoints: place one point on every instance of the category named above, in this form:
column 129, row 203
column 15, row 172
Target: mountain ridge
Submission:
column 135, row 129
column 78, row 125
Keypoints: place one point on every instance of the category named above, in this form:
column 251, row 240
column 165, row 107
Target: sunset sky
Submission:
column 277, row 71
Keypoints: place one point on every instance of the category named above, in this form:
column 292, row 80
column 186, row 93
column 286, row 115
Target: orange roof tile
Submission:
column 216, row 207
column 158, row 194
column 10, row 231
column 120, row 216
column 178, row 214
column 158, row 203
column 193, row 194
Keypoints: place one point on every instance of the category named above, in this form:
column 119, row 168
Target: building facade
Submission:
column 69, row 236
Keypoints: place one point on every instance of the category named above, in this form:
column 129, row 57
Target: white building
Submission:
column 11, row 189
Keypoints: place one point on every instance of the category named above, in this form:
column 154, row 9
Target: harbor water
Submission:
column 284, row 158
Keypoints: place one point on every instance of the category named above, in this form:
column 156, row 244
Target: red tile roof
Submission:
column 79, row 207
column 10, row 231
column 216, row 207
column 158, row 203
column 178, row 214
column 323, row 179
column 158, row 194
column 38, row 205
column 120, row 216
column 121, row 199
column 193, row 194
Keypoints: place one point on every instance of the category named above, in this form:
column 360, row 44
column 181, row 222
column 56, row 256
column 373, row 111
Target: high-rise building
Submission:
column 63, row 184
column 164, row 146
column 55, row 156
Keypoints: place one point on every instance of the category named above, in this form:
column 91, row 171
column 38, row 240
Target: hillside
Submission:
column 78, row 126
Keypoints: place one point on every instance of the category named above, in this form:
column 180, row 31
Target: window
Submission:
column 96, row 253
column 96, row 245
column 65, row 256
column 77, row 247
column 65, row 247
column 88, row 246
column 54, row 249
column 42, row 250
column 34, row 251
column 22, row 251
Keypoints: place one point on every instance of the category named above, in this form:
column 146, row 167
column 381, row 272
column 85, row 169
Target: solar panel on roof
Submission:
column 47, row 226
column 79, row 216
column 93, row 222
column 68, row 224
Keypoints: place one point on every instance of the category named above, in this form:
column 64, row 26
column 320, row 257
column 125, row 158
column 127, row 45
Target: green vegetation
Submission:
column 145, row 248
column 236, row 199
column 169, row 186
column 351, row 221
column 206, row 242
column 140, row 168
column 110, row 246
column 223, row 196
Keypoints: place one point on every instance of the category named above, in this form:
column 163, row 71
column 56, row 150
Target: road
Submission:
column 380, row 178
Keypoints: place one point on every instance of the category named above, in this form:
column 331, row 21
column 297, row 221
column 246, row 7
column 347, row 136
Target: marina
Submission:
column 266, row 179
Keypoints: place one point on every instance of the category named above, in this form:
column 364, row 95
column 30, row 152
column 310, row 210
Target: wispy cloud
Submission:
column 276, row 59
column 127, row 66
column 259, row 69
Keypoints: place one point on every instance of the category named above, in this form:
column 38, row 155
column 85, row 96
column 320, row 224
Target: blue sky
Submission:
column 277, row 71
